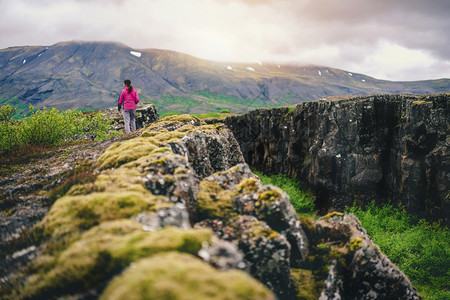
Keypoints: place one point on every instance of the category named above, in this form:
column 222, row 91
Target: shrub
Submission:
column 7, row 128
column 50, row 127
column 302, row 201
column 420, row 249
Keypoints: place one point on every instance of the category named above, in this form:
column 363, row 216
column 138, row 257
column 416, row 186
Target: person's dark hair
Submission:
column 127, row 83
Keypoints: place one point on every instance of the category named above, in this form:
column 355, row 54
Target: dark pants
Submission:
column 129, row 119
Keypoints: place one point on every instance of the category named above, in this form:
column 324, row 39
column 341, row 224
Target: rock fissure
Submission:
column 176, row 206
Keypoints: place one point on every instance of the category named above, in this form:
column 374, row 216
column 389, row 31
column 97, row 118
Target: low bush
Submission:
column 420, row 249
column 50, row 127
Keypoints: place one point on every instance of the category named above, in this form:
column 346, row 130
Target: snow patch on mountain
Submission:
column 137, row 54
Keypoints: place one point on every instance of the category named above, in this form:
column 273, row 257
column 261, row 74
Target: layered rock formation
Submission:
column 383, row 147
column 176, row 213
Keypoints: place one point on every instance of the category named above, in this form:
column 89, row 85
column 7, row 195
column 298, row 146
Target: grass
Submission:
column 211, row 102
column 302, row 201
column 420, row 249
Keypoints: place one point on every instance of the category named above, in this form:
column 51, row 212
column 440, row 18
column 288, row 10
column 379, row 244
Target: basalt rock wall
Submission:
column 382, row 147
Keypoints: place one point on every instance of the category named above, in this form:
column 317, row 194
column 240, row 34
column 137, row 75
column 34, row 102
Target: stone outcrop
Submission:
column 175, row 211
column 356, row 150
column 145, row 114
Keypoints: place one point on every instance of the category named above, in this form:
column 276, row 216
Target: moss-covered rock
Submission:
column 308, row 285
column 105, row 250
column 266, row 251
column 127, row 151
column 341, row 251
column 214, row 202
column 73, row 214
column 182, row 277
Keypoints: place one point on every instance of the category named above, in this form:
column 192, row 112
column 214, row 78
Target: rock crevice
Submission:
column 382, row 147
column 179, row 199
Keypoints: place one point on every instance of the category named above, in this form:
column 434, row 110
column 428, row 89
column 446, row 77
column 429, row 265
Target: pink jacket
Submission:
column 129, row 99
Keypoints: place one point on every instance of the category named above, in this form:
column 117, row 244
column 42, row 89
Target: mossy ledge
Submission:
column 175, row 213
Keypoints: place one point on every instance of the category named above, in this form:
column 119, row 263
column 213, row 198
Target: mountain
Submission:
column 89, row 76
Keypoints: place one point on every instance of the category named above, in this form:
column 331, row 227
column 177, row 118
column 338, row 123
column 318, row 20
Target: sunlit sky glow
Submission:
column 394, row 40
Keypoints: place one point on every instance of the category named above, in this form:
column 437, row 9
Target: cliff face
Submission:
column 174, row 212
column 356, row 150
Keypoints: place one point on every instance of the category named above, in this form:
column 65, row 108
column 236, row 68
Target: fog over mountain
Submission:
column 89, row 75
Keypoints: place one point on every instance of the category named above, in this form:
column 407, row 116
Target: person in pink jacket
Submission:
column 128, row 100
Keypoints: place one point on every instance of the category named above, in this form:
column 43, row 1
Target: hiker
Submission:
column 128, row 100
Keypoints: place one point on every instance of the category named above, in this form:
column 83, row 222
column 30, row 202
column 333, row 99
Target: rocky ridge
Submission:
column 178, row 200
column 381, row 147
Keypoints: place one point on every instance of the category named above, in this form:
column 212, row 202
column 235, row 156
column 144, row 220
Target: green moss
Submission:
column 72, row 214
column 115, row 194
column 418, row 102
column 182, row 276
column 248, row 185
column 258, row 231
column 332, row 214
column 307, row 159
column 214, row 202
column 181, row 171
column 291, row 109
column 163, row 137
column 184, row 118
column 106, row 249
column 121, row 179
column 123, row 152
column 356, row 243
column 309, row 286
column 270, row 196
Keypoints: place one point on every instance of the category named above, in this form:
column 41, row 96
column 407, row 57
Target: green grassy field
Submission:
column 209, row 102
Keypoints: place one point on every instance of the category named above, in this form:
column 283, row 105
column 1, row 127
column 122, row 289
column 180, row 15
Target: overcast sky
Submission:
column 386, row 39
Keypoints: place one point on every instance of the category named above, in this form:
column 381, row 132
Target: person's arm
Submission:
column 137, row 98
column 121, row 98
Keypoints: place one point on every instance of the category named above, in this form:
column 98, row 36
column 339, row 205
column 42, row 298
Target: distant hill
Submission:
column 89, row 76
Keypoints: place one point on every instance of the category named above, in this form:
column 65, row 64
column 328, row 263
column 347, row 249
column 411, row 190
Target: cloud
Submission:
column 397, row 40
